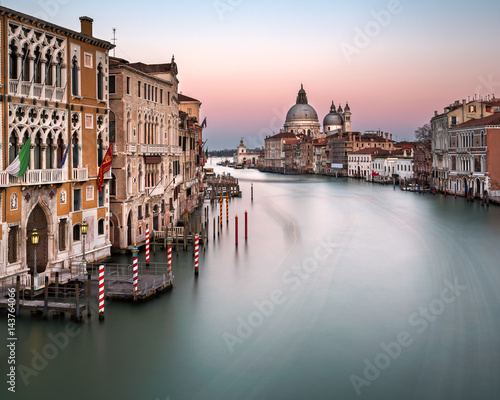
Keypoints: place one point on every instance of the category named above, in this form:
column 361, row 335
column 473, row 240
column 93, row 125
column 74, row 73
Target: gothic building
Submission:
column 56, row 97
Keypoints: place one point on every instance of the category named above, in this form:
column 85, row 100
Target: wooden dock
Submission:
column 39, row 305
column 148, row 286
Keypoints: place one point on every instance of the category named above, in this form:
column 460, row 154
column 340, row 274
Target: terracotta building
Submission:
column 55, row 95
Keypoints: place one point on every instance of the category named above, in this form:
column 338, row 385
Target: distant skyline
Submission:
column 395, row 62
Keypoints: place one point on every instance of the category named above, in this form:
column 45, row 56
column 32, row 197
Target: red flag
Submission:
column 105, row 166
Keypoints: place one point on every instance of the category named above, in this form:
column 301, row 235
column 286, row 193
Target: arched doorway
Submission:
column 466, row 186
column 478, row 187
column 38, row 221
column 129, row 229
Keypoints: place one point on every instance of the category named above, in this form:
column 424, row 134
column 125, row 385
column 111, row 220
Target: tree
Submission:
column 423, row 133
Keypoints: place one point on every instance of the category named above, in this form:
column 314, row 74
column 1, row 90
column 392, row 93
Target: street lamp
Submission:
column 84, row 233
column 35, row 238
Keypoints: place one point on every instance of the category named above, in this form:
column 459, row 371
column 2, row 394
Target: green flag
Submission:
column 19, row 166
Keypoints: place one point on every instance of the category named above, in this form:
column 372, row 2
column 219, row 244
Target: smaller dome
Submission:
column 333, row 118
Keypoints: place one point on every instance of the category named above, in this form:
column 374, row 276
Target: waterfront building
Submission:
column 454, row 115
column 244, row 157
column 404, row 167
column 422, row 163
column 360, row 162
column 474, row 150
column 303, row 155
column 340, row 145
column 337, row 120
column 55, row 82
column 319, row 156
column 278, row 151
column 157, row 150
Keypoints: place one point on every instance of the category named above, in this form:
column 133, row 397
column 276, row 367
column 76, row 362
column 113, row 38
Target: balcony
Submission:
column 178, row 179
column 131, row 148
column 153, row 148
column 38, row 90
column 43, row 177
column 157, row 191
column 175, row 150
column 80, row 174
column 4, row 179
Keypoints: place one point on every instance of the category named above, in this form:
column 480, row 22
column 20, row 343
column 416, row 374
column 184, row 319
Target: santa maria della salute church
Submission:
column 302, row 119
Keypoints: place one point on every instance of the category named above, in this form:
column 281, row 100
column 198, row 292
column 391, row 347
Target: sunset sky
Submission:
column 395, row 62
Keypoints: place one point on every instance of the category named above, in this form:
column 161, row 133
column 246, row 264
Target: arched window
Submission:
column 38, row 152
column 25, row 64
column 74, row 77
column 13, row 73
column 49, row 153
column 13, row 147
column 38, row 66
column 60, row 149
column 76, row 232
column 49, row 76
column 100, row 82
column 59, row 70
column 76, row 151
column 100, row 227
column 100, row 150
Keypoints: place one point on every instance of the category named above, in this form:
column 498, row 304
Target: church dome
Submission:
column 301, row 110
column 333, row 118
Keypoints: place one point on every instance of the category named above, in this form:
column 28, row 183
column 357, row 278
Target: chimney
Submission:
column 391, row 137
column 435, row 113
column 386, row 136
column 86, row 25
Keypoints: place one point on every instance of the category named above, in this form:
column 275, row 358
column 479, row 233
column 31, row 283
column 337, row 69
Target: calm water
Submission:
column 344, row 290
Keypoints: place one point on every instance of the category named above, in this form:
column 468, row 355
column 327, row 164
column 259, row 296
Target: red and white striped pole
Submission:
column 227, row 208
column 196, row 253
column 101, row 292
column 246, row 225
column 169, row 257
column 147, row 245
column 236, row 229
column 135, row 269
column 221, row 209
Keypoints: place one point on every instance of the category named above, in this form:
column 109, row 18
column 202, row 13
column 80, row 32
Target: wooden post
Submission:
column 185, row 234
column 32, row 285
column 236, row 230
column 246, row 222
column 77, row 300
column 46, row 298
column 57, row 284
column 251, row 191
column 214, row 228
column 89, row 293
column 18, row 291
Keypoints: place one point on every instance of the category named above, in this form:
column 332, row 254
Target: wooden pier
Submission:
column 221, row 185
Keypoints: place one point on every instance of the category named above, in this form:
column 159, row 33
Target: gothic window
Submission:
column 13, row 147
column 128, row 84
column 59, row 70
column 49, row 78
column 25, row 64
column 60, row 149
column 49, row 154
column 38, row 66
column 100, row 82
column 100, row 150
column 101, row 196
column 74, row 77
column 112, row 126
column 139, row 89
column 38, row 152
column 13, row 74
column 62, row 234
column 76, row 151
column 13, row 244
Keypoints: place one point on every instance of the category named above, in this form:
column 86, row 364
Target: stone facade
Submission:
column 56, row 82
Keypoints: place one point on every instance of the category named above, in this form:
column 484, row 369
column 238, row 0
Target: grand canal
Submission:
column 343, row 290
